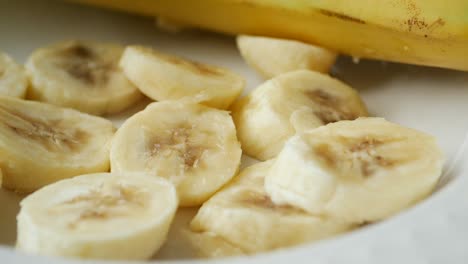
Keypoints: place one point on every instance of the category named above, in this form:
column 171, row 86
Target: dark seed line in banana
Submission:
column 99, row 204
column 361, row 154
column 330, row 111
column 179, row 142
column 84, row 65
column 262, row 200
column 192, row 65
column 43, row 133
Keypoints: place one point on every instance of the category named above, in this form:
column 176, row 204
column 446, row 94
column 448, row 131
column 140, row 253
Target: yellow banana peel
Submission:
column 423, row 32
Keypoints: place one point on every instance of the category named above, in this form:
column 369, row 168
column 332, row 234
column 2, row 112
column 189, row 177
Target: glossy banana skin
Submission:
column 423, row 32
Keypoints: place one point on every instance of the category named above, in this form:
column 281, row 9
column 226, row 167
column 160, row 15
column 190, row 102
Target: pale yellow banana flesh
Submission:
column 13, row 78
column 243, row 215
column 41, row 144
column 272, row 56
column 192, row 145
column 83, row 75
column 424, row 32
column 98, row 216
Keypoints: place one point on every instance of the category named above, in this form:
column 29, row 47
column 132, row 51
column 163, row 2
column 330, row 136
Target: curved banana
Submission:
column 423, row 32
column 99, row 216
column 273, row 56
column 194, row 146
column 81, row 75
column 245, row 216
column 290, row 103
column 359, row 171
column 41, row 144
column 166, row 77
column 13, row 78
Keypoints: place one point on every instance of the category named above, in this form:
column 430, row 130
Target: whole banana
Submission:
column 424, row 32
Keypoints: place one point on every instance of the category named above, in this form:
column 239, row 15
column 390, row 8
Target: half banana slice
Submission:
column 165, row 77
column 245, row 216
column 81, row 75
column 99, row 216
column 291, row 103
column 359, row 171
column 41, row 144
column 193, row 146
column 273, row 56
column 13, row 78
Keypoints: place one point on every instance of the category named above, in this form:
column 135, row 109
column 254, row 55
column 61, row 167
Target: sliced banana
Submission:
column 41, row 144
column 99, row 216
column 210, row 245
column 81, row 75
column 165, row 77
column 273, row 56
column 244, row 215
column 290, row 103
column 13, row 78
column 194, row 146
column 359, row 171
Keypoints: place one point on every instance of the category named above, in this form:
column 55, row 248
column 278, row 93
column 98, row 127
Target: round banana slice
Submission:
column 98, row 216
column 42, row 143
column 13, row 78
column 273, row 56
column 194, row 146
column 359, row 171
column 245, row 216
column 165, row 77
column 81, row 75
column 291, row 103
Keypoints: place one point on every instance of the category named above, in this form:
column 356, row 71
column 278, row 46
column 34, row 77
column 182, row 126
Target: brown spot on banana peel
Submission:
column 341, row 16
column 42, row 133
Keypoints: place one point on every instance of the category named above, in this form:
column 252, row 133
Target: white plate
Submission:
column 432, row 100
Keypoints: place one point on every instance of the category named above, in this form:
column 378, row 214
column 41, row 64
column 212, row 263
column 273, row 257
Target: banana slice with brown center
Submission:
column 81, row 75
column 290, row 103
column 165, row 77
column 99, row 216
column 13, row 78
column 192, row 145
column 359, row 171
column 243, row 214
column 41, row 143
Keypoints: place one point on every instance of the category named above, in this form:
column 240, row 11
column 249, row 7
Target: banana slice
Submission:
column 165, row 77
column 81, row 75
column 273, row 56
column 244, row 215
column 290, row 103
column 13, row 78
column 41, row 144
column 99, row 216
column 360, row 171
column 192, row 145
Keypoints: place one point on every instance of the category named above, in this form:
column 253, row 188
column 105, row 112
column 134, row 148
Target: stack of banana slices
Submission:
column 98, row 192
